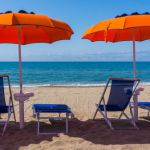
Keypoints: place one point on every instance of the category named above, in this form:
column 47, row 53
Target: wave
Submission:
column 70, row 85
column 60, row 85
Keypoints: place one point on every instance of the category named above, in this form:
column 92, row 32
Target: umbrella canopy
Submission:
column 26, row 28
column 32, row 28
column 120, row 29
column 135, row 27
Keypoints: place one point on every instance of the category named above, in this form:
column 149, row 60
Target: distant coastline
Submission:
column 74, row 61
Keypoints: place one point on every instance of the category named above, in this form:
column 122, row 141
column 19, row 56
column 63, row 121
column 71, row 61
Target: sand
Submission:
column 84, row 133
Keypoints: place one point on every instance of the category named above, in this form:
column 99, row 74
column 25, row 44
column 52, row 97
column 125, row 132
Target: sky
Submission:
column 80, row 15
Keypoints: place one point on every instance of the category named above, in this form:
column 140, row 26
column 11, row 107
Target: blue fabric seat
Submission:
column 109, row 108
column 4, row 108
column 51, row 108
column 144, row 104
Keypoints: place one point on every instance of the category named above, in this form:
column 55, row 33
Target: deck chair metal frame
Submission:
column 102, row 100
column 36, row 114
column 4, row 108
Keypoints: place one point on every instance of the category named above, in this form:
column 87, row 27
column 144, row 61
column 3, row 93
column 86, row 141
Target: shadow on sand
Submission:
column 95, row 131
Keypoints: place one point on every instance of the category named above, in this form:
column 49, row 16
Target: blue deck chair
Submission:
column 6, row 108
column 51, row 108
column 143, row 105
column 121, row 91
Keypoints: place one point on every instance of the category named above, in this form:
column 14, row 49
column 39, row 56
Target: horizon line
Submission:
column 76, row 61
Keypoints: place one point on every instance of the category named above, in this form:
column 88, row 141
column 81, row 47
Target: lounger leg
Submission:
column 72, row 115
column 6, row 123
column 38, row 125
column 14, row 117
column 97, row 109
column 66, row 123
column 126, row 115
column 14, row 114
column 107, row 120
column 148, row 113
column 132, row 119
column 13, row 111
column 95, row 114
column 33, row 113
column 120, row 115
column 123, row 113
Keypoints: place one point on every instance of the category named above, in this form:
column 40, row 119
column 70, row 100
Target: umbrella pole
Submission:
column 21, row 100
column 134, row 59
column 20, row 68
column 135, row 96
column 20, row 59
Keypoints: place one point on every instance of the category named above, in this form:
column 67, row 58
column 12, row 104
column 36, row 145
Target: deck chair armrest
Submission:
column 135, row 87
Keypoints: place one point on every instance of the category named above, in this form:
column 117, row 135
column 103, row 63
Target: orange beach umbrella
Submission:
column 26, row 28
column 133, row 27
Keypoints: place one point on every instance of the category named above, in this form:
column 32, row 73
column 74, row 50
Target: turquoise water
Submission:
column 70, row 73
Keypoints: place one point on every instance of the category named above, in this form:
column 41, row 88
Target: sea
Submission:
column 73, row 73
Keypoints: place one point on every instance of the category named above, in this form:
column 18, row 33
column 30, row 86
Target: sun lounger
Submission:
column 121, row 91
column 143, row 105
column 51, row 108
column 4, row 108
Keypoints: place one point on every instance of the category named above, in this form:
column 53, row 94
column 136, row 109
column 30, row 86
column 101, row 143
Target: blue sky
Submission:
column 80, row 15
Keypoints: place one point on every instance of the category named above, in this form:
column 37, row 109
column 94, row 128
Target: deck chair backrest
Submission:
column 121, row 92
column 2, row 94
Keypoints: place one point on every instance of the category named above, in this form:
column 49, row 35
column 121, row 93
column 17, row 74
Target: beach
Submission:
column 84, row 133
column 66, row 52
